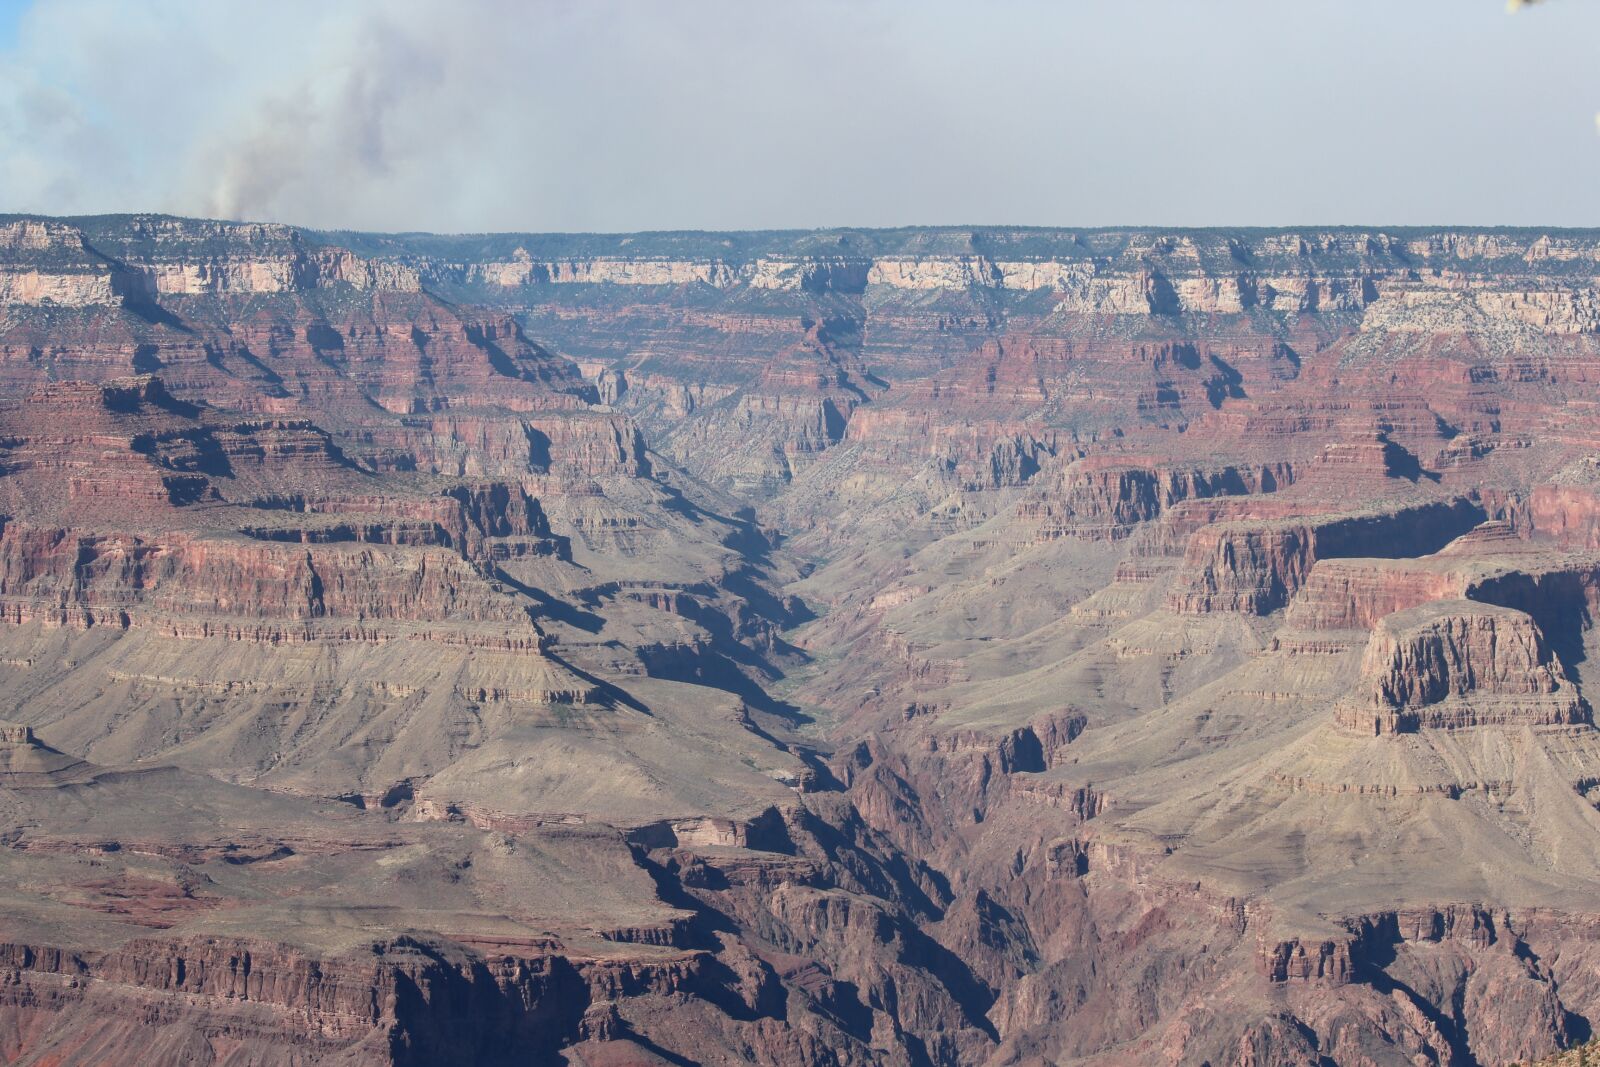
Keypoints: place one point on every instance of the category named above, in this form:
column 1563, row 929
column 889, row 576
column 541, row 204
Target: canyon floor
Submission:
column 915, row 647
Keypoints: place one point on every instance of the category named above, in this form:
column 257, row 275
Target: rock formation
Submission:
column 907, row 647
column 1455, row 663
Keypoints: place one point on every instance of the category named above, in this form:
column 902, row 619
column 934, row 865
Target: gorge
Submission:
column 932, row 646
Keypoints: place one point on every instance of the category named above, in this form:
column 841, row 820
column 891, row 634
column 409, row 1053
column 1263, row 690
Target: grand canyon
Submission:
column 935, row 646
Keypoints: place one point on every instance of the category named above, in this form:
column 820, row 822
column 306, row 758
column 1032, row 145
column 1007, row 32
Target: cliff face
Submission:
column 58, row 263
column 1256, row 568
column 1457, row 663
column 905, row 647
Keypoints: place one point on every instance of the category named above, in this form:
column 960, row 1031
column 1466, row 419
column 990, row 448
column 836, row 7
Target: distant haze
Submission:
column 619, row 115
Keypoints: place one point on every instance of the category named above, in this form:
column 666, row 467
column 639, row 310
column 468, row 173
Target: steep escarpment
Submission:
column 857, row 647
column 1256, row 567
column 1457, row 663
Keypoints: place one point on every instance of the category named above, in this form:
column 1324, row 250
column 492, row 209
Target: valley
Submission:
column 910, row 647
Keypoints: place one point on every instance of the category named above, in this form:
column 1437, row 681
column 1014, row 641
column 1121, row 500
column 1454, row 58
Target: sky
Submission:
column 623, row 115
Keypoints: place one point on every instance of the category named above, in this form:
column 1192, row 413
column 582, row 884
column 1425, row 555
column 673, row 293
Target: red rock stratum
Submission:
column 925, row 647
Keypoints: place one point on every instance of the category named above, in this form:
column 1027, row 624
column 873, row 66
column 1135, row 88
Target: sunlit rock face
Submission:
column 855, row 647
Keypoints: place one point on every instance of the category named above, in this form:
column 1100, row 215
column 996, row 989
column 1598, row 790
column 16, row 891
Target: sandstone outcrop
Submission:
column 1107, row 496
column 1257, row 567
column 1454, row 663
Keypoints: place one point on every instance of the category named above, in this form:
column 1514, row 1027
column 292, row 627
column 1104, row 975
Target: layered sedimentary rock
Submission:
column 1109, row 496
column 1256, row 567
column 904, row 647
column 1453, row 663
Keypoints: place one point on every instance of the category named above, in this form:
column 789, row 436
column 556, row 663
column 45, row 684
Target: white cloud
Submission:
column 328, row 114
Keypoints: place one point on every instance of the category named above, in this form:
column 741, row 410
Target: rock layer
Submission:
column 917, row 647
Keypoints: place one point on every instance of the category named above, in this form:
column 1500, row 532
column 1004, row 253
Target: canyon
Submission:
column 911, row 647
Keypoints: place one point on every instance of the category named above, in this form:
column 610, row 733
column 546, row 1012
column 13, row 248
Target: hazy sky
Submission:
column 458, row 115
